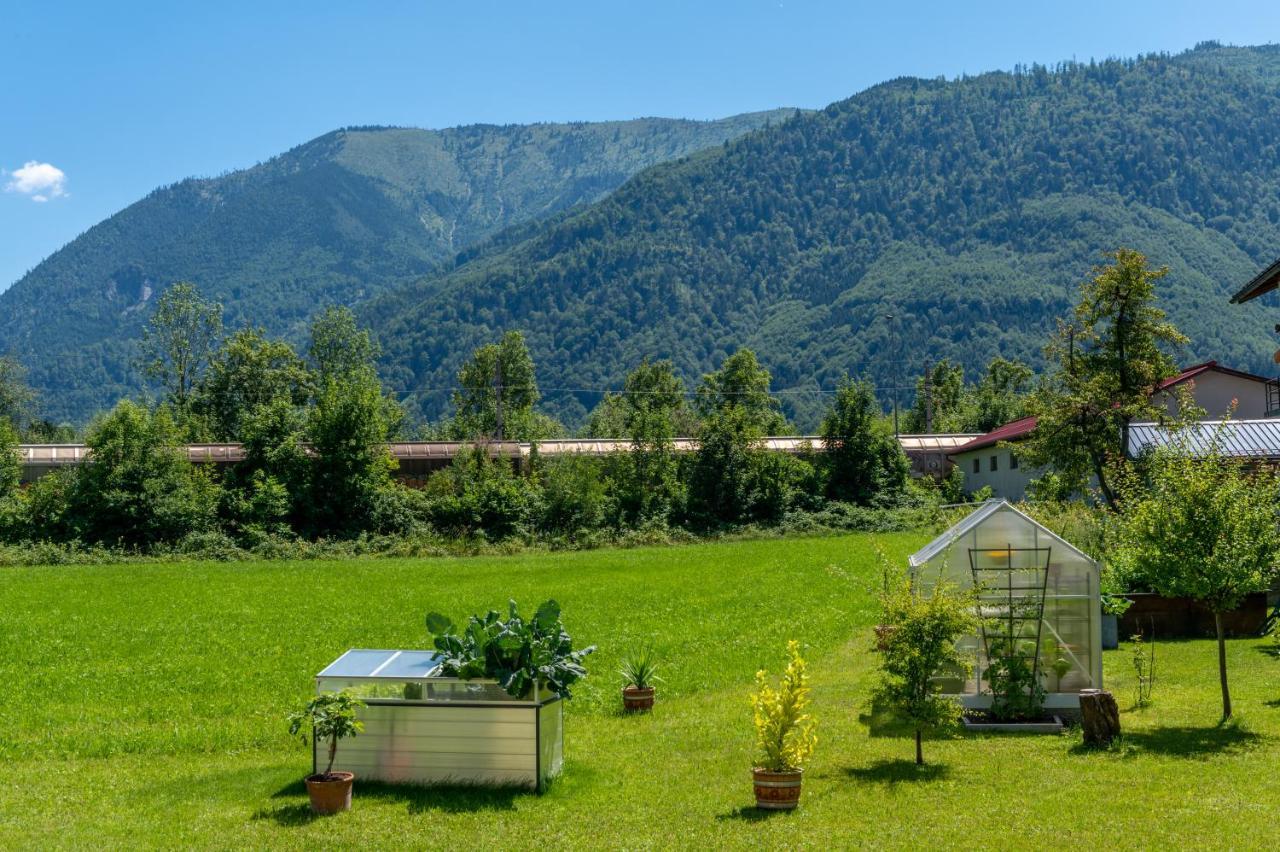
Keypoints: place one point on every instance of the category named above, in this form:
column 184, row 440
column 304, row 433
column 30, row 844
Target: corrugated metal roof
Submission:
column 1252, row 439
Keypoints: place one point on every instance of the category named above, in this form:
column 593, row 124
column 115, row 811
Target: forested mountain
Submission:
column 333, row 221
column 967, row 209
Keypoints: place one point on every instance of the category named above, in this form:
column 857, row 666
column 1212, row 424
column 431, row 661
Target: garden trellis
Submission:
column 1037, row 598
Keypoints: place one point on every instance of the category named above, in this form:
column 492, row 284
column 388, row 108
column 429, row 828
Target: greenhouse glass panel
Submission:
column 1038, row 599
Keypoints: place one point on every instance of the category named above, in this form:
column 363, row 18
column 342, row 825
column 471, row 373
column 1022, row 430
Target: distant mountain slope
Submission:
column 968, row 209
column 335, row 220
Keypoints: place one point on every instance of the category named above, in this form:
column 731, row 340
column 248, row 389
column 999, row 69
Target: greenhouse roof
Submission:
column 976, row 518
column 392, row 665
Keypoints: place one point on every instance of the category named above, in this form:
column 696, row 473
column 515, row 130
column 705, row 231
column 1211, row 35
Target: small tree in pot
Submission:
column 639, row 674
column 785, row 734
column 327, row 718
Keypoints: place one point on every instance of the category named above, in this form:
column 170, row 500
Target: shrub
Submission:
column 785, row 734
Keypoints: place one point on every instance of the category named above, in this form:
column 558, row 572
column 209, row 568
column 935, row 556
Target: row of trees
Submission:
column 314, row 428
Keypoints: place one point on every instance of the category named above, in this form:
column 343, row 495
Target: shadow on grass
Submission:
column 1270, row 650
column 417, row 798
column 880, row 721
column 898, row 771
column 750, row 813
column 289, row 816
column 1181, row 741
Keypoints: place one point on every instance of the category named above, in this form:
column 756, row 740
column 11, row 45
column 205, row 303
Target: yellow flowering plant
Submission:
column 785, row 733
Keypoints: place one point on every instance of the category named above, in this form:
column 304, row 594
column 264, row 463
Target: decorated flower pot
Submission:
column 330, row 793
column 777, row 791
column 637, row 699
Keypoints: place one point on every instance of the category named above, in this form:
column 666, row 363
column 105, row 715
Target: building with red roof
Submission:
column 992, row 459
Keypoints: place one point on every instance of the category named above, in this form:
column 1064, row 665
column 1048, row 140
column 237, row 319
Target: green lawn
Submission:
column 142, row 706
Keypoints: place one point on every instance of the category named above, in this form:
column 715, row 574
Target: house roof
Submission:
column 977, row 517
column 1208, row 367
column 1264, row 282
column 1011, row 431
column 1250, row 439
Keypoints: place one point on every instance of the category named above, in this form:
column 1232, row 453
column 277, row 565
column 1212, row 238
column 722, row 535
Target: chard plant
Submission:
column 518, row 653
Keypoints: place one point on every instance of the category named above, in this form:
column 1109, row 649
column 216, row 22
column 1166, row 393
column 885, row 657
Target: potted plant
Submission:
column 639, row 673
column 327, row 718
column 785, row 734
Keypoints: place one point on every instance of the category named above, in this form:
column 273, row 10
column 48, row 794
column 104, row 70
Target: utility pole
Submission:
column 897, row 378
column 497, row 396
column 928, row 399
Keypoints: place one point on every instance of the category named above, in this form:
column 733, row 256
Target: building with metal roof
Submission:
column 1255, row 440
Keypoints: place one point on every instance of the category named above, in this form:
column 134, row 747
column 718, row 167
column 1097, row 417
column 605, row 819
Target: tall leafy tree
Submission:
column 743, row 384
column 338, row 345
column 863, row 459
column 1000, row 396
column 10, row 462
column 496, row 393
column 1202, row 526
column 651, row 405
column 249, row 370
column 16, row 397
column 1106, row 362
column 179, row 339
column 138, row 488
column 351, row 472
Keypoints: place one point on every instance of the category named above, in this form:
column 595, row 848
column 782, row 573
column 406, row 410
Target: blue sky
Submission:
column 106, row 101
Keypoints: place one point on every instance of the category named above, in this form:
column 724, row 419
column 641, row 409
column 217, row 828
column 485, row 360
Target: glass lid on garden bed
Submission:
column 389, row 665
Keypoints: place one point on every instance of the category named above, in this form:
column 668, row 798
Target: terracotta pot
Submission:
column 883, row 632
column 330, row 794
column 637, row 699
column 777, row 791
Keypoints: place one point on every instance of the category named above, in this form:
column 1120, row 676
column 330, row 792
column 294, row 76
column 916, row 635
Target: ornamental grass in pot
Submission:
column 785, row 734
column 327, row 718
column 639, row 674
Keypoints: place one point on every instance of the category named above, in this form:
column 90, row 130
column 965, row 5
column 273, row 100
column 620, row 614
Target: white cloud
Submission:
column 39, row 181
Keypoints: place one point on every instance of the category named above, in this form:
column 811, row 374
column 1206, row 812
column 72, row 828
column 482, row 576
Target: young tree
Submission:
column 1203, row 527
column 1107, row 361
column 864, row 461
column 497, row 390
column 248, row 370
column 10, row 462
column 178, row 340
column 921, row 644
column 651, row 403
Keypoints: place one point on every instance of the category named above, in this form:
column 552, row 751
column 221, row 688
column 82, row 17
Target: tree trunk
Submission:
column 333, row 752
column 1222, row 665
column 1099, row 717
column 919, row 751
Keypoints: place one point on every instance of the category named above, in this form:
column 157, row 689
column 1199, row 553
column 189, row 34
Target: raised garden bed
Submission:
column 421, row 728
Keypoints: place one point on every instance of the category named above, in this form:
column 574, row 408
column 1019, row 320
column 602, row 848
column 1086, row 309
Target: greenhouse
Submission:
column 425, row 729
column 1038, row 599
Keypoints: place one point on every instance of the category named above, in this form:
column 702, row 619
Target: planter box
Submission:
column 423, row 729
column 1054, row 727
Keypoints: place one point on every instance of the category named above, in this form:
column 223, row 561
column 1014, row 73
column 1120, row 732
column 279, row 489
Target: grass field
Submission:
column 142, row 706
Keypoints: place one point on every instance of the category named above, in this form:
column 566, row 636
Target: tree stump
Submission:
column 1099, row 717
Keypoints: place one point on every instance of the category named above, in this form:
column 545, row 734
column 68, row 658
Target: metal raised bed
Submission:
column 425, row 729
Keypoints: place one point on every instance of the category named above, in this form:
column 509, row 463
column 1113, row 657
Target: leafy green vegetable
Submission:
column 519, row 654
